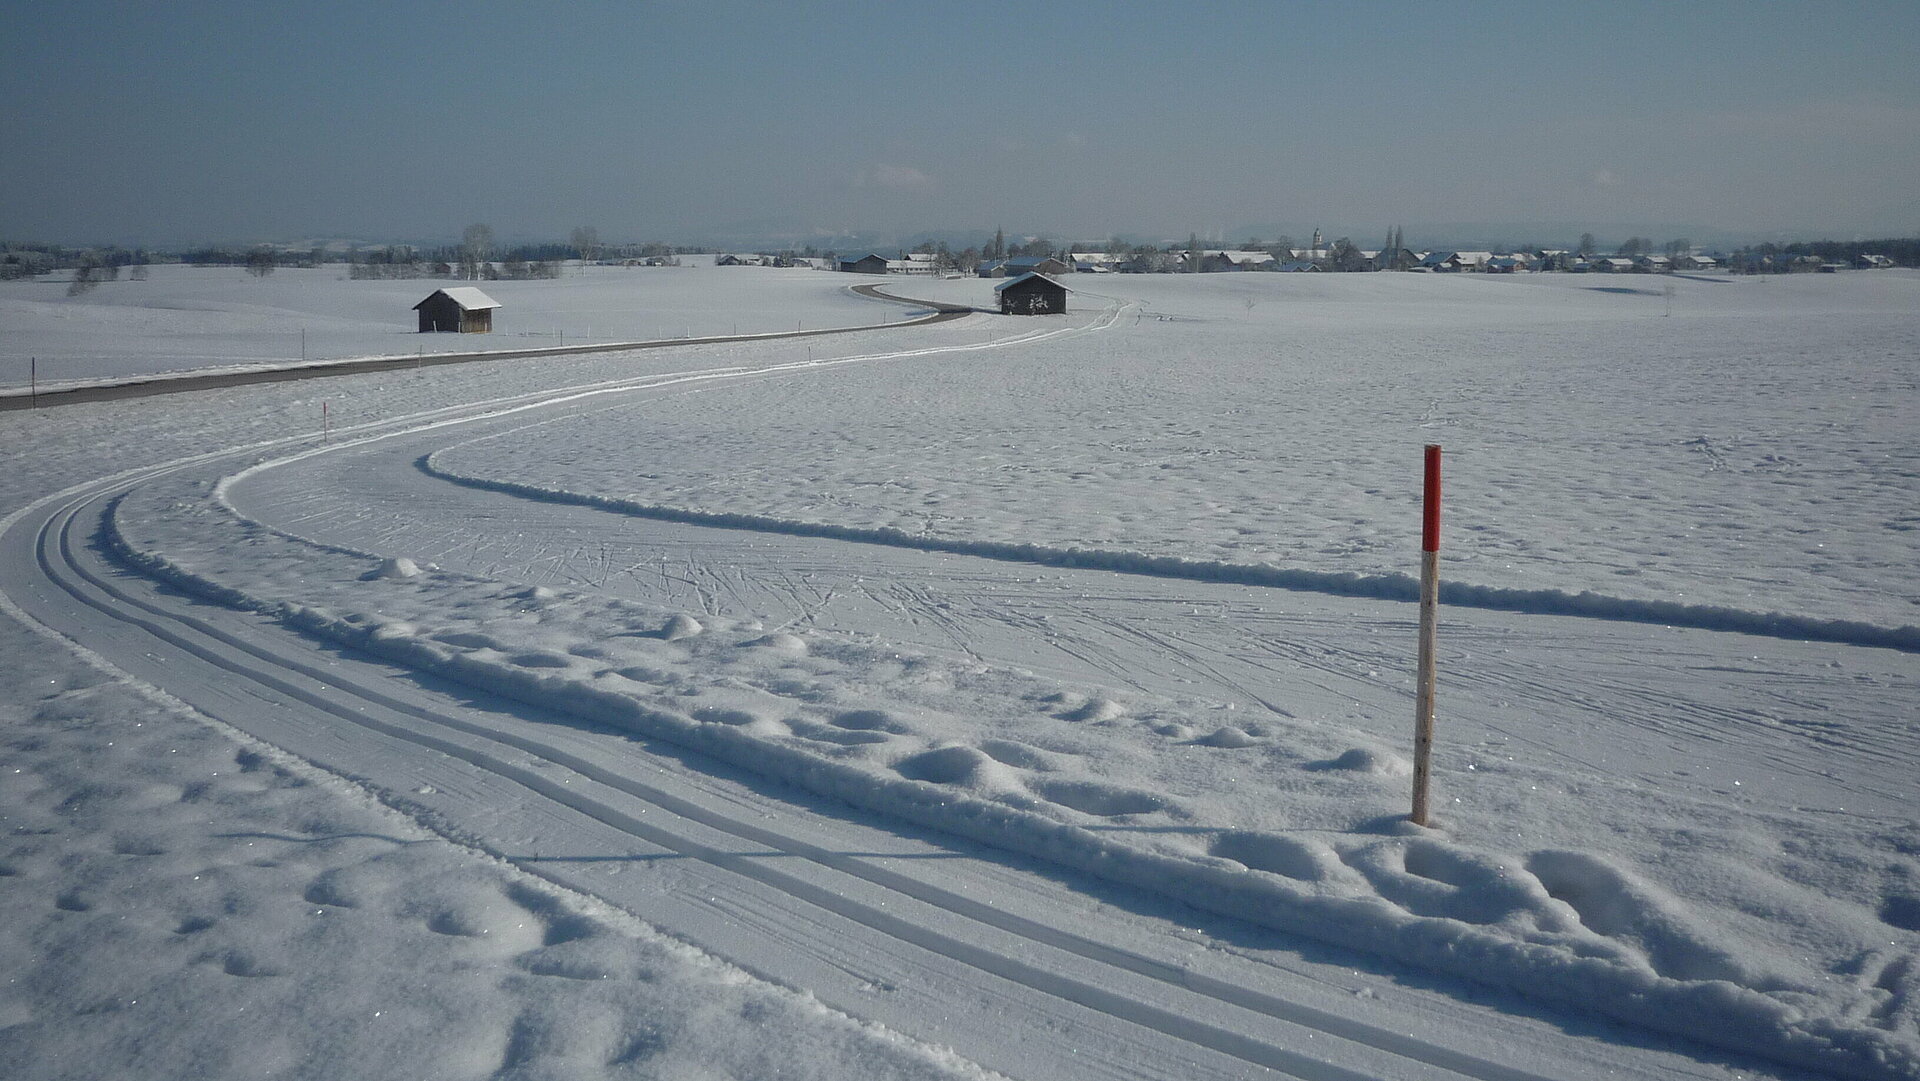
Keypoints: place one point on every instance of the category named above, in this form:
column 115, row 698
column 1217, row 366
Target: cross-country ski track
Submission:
column 1021, row 967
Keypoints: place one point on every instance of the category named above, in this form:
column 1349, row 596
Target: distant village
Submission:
column 1341, row 256
column 478, row 258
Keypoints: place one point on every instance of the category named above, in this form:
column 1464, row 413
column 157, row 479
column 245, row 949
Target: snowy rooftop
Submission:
column 466, row 296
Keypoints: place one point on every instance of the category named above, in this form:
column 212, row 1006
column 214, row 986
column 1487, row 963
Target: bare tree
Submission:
column 260, row 261
column 586, row 241
column 476, row 247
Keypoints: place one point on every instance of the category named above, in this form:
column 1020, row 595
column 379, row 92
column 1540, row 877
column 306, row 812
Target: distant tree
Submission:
column 1587, row 245
column 476, row 247
column 999, row 248
column 1635, row 245
column 260, row 261
column 1193, row 253
column 1678, row 247
column 586, row 241
column 1345, row 257
column 83, row 281
column 138, row 273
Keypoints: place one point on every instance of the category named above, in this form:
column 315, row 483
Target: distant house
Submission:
column 1449, row 261
column 1505, row 264
column 1214, row 262
column 1875, row 262
column 1032, row 293
column 1610, row 264
column 919, row 262
column 863, row 264
column 461, row 309
column 1391, row 258
column 1695, row 262
column 1035, row 264
column 1298, row 266
column 730, row 259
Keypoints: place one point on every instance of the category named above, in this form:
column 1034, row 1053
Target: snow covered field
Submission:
column 189, row 317
column 1011, row 640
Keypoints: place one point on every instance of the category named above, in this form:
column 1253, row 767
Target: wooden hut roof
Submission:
column 1010, row 282
column 469, row 298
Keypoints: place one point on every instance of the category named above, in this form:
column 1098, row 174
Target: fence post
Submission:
column 1429, row 621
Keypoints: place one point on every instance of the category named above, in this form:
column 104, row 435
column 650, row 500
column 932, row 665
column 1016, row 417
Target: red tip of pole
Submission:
column 1430, row 526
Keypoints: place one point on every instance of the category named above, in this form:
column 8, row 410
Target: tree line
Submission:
column 477, row 256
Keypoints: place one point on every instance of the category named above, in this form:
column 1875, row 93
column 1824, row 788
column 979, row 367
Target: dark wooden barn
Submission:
column 461, row 309
column 1032, row 294
column 865, row 264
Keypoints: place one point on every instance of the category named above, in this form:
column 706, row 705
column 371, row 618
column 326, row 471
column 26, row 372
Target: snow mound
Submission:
column 1367, row 760
column 1227, row 736
column 680, row 626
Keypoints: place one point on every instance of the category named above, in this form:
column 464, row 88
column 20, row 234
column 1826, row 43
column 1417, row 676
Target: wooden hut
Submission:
column 1032, row 293
column 865, row 264
column 461, row 309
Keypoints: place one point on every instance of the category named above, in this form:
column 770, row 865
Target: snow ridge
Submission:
column 1399, row 587
column 1562, row 925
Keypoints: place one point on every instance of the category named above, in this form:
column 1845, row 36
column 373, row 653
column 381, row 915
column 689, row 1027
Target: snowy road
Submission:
column 1021, row 966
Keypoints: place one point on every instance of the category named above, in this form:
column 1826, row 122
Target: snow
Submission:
column 191, row 318
column 1120, row 592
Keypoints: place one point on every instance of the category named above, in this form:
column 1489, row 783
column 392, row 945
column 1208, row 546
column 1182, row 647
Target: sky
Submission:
column 203, row 121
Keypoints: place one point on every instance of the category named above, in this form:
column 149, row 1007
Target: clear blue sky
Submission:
column 169, row 123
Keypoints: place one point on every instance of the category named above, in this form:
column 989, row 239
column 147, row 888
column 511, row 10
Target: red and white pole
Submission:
column 1429, row 622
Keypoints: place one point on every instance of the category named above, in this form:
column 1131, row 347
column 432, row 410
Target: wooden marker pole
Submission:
column 1429, row 622
column 326, row 424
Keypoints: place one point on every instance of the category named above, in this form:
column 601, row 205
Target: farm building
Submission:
column 461, row 309
column 1023, row 264
column 1032, row 293
column 1214, row 262
column 865, row 264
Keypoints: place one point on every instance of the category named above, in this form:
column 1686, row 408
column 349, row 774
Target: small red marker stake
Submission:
column 1429, row 621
